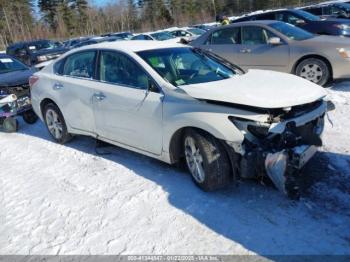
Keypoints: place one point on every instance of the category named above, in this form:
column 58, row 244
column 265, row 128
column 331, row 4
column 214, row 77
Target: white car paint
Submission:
column 43, row 64
column 146, row 122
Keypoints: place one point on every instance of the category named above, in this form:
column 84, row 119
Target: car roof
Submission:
column 28, row 42
column 135, row 45
column 261, row 22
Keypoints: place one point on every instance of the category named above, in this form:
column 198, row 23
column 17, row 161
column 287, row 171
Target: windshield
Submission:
column 184, row 66
column 8, row 65
column 343, row 6
column 307, row 15
column 43, row 45
column 196, row 31
column 161, row 36
column 291, row 31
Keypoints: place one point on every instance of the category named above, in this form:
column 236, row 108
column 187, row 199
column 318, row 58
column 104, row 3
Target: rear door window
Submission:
column 226, row 36
column 80, row 64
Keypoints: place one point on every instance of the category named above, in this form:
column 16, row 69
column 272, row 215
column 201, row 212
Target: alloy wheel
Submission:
column 54, row 124
column 194, row 160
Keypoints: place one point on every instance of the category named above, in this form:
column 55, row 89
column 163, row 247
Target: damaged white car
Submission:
column 174, row 102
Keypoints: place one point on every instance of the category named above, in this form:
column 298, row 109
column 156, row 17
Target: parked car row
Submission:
column 174, row 35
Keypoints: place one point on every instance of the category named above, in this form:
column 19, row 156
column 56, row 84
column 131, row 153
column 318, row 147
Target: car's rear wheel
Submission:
column 55, row 123
column 315, row 70
column 207, row 160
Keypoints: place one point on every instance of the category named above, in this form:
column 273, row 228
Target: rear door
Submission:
column 126, row 110
column 256, row 52
column 225, row 43
column 73, row 88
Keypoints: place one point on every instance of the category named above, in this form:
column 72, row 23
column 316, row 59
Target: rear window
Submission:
column 80, row 64
column 8, row 64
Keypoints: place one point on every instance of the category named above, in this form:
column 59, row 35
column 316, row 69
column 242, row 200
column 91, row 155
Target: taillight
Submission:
column 32, row 81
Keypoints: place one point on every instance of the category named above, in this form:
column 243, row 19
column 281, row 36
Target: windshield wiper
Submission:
column 216, row 57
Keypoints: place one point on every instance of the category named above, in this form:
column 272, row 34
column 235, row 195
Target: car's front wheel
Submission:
column 314, row 70
column 207, row 160
column 55, row 123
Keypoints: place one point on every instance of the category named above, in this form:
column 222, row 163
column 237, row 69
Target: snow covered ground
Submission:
column 69, row 200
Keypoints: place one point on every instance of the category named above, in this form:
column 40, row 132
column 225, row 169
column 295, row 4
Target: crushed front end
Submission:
column 14, row 101
column 280, row 147
column 8, row 111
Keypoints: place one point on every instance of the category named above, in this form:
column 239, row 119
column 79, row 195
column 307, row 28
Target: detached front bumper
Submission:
column 281, row 150
column 283, row 167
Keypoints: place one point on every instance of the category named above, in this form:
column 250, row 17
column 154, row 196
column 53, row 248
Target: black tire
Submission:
column 316, row 65
column 10, row 125
column 215, row 164
column 65, row 136
column 30, row 117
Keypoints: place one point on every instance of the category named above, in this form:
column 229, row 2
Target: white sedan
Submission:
column 174, row 103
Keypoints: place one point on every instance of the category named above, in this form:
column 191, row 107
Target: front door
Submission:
column 126, row 110
column 256, row 52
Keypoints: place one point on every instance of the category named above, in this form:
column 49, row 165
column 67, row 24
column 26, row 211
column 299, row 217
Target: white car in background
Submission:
column 156, row 36
column 173, row 102
column 187, row 33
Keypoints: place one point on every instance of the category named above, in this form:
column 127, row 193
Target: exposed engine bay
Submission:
column 281, row 146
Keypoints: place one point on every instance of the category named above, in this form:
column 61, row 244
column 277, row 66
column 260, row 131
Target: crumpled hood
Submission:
column 259, row 88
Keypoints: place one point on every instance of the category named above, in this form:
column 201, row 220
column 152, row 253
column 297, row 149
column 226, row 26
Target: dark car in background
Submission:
column 329, row 10
column 14, row 81
column 74, row 41
column 98, row 40
column 304, row 20
column 35, row 52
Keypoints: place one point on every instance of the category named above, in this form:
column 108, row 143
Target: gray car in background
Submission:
column 279, row 46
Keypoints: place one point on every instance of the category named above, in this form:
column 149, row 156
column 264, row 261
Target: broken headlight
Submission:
column 252, row 130
column 258, row 131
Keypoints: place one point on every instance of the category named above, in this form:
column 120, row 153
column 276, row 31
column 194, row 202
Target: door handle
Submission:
column 57, row 86
column 99, row 96
column 245, row 50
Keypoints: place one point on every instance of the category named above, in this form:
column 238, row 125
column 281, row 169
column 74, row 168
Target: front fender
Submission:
column 216, row 124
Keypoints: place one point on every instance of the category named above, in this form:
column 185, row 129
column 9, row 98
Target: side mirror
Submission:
column 152, row 87
column 274, row 41
column 300, row 21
